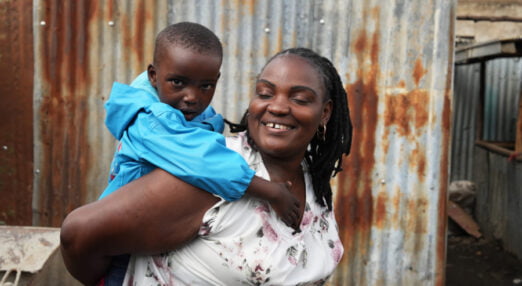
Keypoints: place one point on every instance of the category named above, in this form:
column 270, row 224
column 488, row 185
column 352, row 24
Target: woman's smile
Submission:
column 278, row 126
column 288, row 107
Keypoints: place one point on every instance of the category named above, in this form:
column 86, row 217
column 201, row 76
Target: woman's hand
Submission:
column 153, row 214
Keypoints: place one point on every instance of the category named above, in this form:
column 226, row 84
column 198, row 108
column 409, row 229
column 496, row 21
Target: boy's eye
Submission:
column 208, row 86
column 176, row 82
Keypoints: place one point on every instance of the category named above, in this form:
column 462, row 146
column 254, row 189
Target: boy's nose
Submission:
column 191, row 96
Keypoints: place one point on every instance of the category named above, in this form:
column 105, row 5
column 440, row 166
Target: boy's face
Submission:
column 185, row 79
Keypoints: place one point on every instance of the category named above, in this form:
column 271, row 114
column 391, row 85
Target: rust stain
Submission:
column 354, row 196
column 418, row 71
column 397, row 113
column 63, row 112
column 417, row 209
column 405, row 110
column 417, row 161
column 138, row 39
column 420, row 103
column 396, row 203
column 360, row 44
column 16, row 88
column 444, row 172
column 126, row 37
column 421, row 165
column 110, row 10
column 250, row 4
column 279, row 43
column 380, row 209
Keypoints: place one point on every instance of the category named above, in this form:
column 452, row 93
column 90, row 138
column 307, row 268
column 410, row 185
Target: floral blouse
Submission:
column 245, row 243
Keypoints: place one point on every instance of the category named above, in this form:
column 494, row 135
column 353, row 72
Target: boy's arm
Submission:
column 201, row 158
column 153, row 214
column 194, row 155
column 284, row 203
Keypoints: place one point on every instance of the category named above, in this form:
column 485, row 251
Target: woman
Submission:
column 297, row 129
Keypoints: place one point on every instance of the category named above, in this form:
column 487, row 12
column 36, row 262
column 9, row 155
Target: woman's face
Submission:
column 288, row 107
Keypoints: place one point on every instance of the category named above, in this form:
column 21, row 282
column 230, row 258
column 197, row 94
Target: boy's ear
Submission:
column 151, row 72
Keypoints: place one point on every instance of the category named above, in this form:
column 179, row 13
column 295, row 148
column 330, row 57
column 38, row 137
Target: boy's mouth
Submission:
column 189, row 114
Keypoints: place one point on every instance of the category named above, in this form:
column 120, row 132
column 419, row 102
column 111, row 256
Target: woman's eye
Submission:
column 300, row 101
column 263, row 95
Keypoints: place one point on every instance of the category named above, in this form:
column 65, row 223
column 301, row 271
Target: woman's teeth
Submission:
column 277, row 126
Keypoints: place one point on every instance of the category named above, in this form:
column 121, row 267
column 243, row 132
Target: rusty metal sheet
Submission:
column 16, row 120
column 391, row 198
column 394, row 57
column 82, row 47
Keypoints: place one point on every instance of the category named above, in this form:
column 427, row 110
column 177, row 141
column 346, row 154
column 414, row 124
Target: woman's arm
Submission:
column 155, row 213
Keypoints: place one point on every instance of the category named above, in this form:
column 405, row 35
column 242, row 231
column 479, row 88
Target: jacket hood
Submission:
column 124, row 103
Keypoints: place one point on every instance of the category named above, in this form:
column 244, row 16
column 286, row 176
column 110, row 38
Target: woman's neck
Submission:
column 282, row 169
column 288, row 170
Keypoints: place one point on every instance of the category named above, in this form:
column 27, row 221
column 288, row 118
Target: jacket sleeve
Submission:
column 197, row 156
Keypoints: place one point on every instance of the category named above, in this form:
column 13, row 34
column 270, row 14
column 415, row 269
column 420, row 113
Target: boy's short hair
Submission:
column 188, row 35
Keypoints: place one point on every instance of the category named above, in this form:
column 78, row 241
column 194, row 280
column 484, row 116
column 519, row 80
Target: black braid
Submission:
column 324, row 158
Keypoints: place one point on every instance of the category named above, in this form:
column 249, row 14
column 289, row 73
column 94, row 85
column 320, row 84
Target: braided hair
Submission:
column 324, row 156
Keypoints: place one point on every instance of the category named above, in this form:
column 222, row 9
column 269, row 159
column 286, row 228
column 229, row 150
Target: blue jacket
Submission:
column 155, row 135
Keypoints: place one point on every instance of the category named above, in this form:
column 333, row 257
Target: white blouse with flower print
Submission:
column 245, row 243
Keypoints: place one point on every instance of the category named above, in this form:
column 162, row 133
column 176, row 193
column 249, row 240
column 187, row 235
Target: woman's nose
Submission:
column 279, row 105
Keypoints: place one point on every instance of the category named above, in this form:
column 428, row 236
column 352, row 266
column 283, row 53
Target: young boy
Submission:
column 166, row 122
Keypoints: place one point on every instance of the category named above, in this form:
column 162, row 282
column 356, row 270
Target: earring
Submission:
column 321, row 132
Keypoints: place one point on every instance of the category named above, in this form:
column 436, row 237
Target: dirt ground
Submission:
column 480, row 262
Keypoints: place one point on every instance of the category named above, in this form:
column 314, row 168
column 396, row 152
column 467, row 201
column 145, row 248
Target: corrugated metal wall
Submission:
column 392, row 196
column 466, row 98
column 498, row 180
column 503, row 88
column 499, row 198
column 394, row 56
column 81, row 47
column 16, row 118
column 502, row 93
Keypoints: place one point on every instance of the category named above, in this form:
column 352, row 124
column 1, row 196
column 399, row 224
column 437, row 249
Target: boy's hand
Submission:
column 286, row 205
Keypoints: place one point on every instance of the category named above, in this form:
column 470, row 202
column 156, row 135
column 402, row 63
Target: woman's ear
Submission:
column 151, row 72
column 327, row 112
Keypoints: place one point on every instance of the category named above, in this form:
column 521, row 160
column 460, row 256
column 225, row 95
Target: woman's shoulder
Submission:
column 237, row 142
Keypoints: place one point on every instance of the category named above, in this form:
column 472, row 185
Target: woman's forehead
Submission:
column 293, row 70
